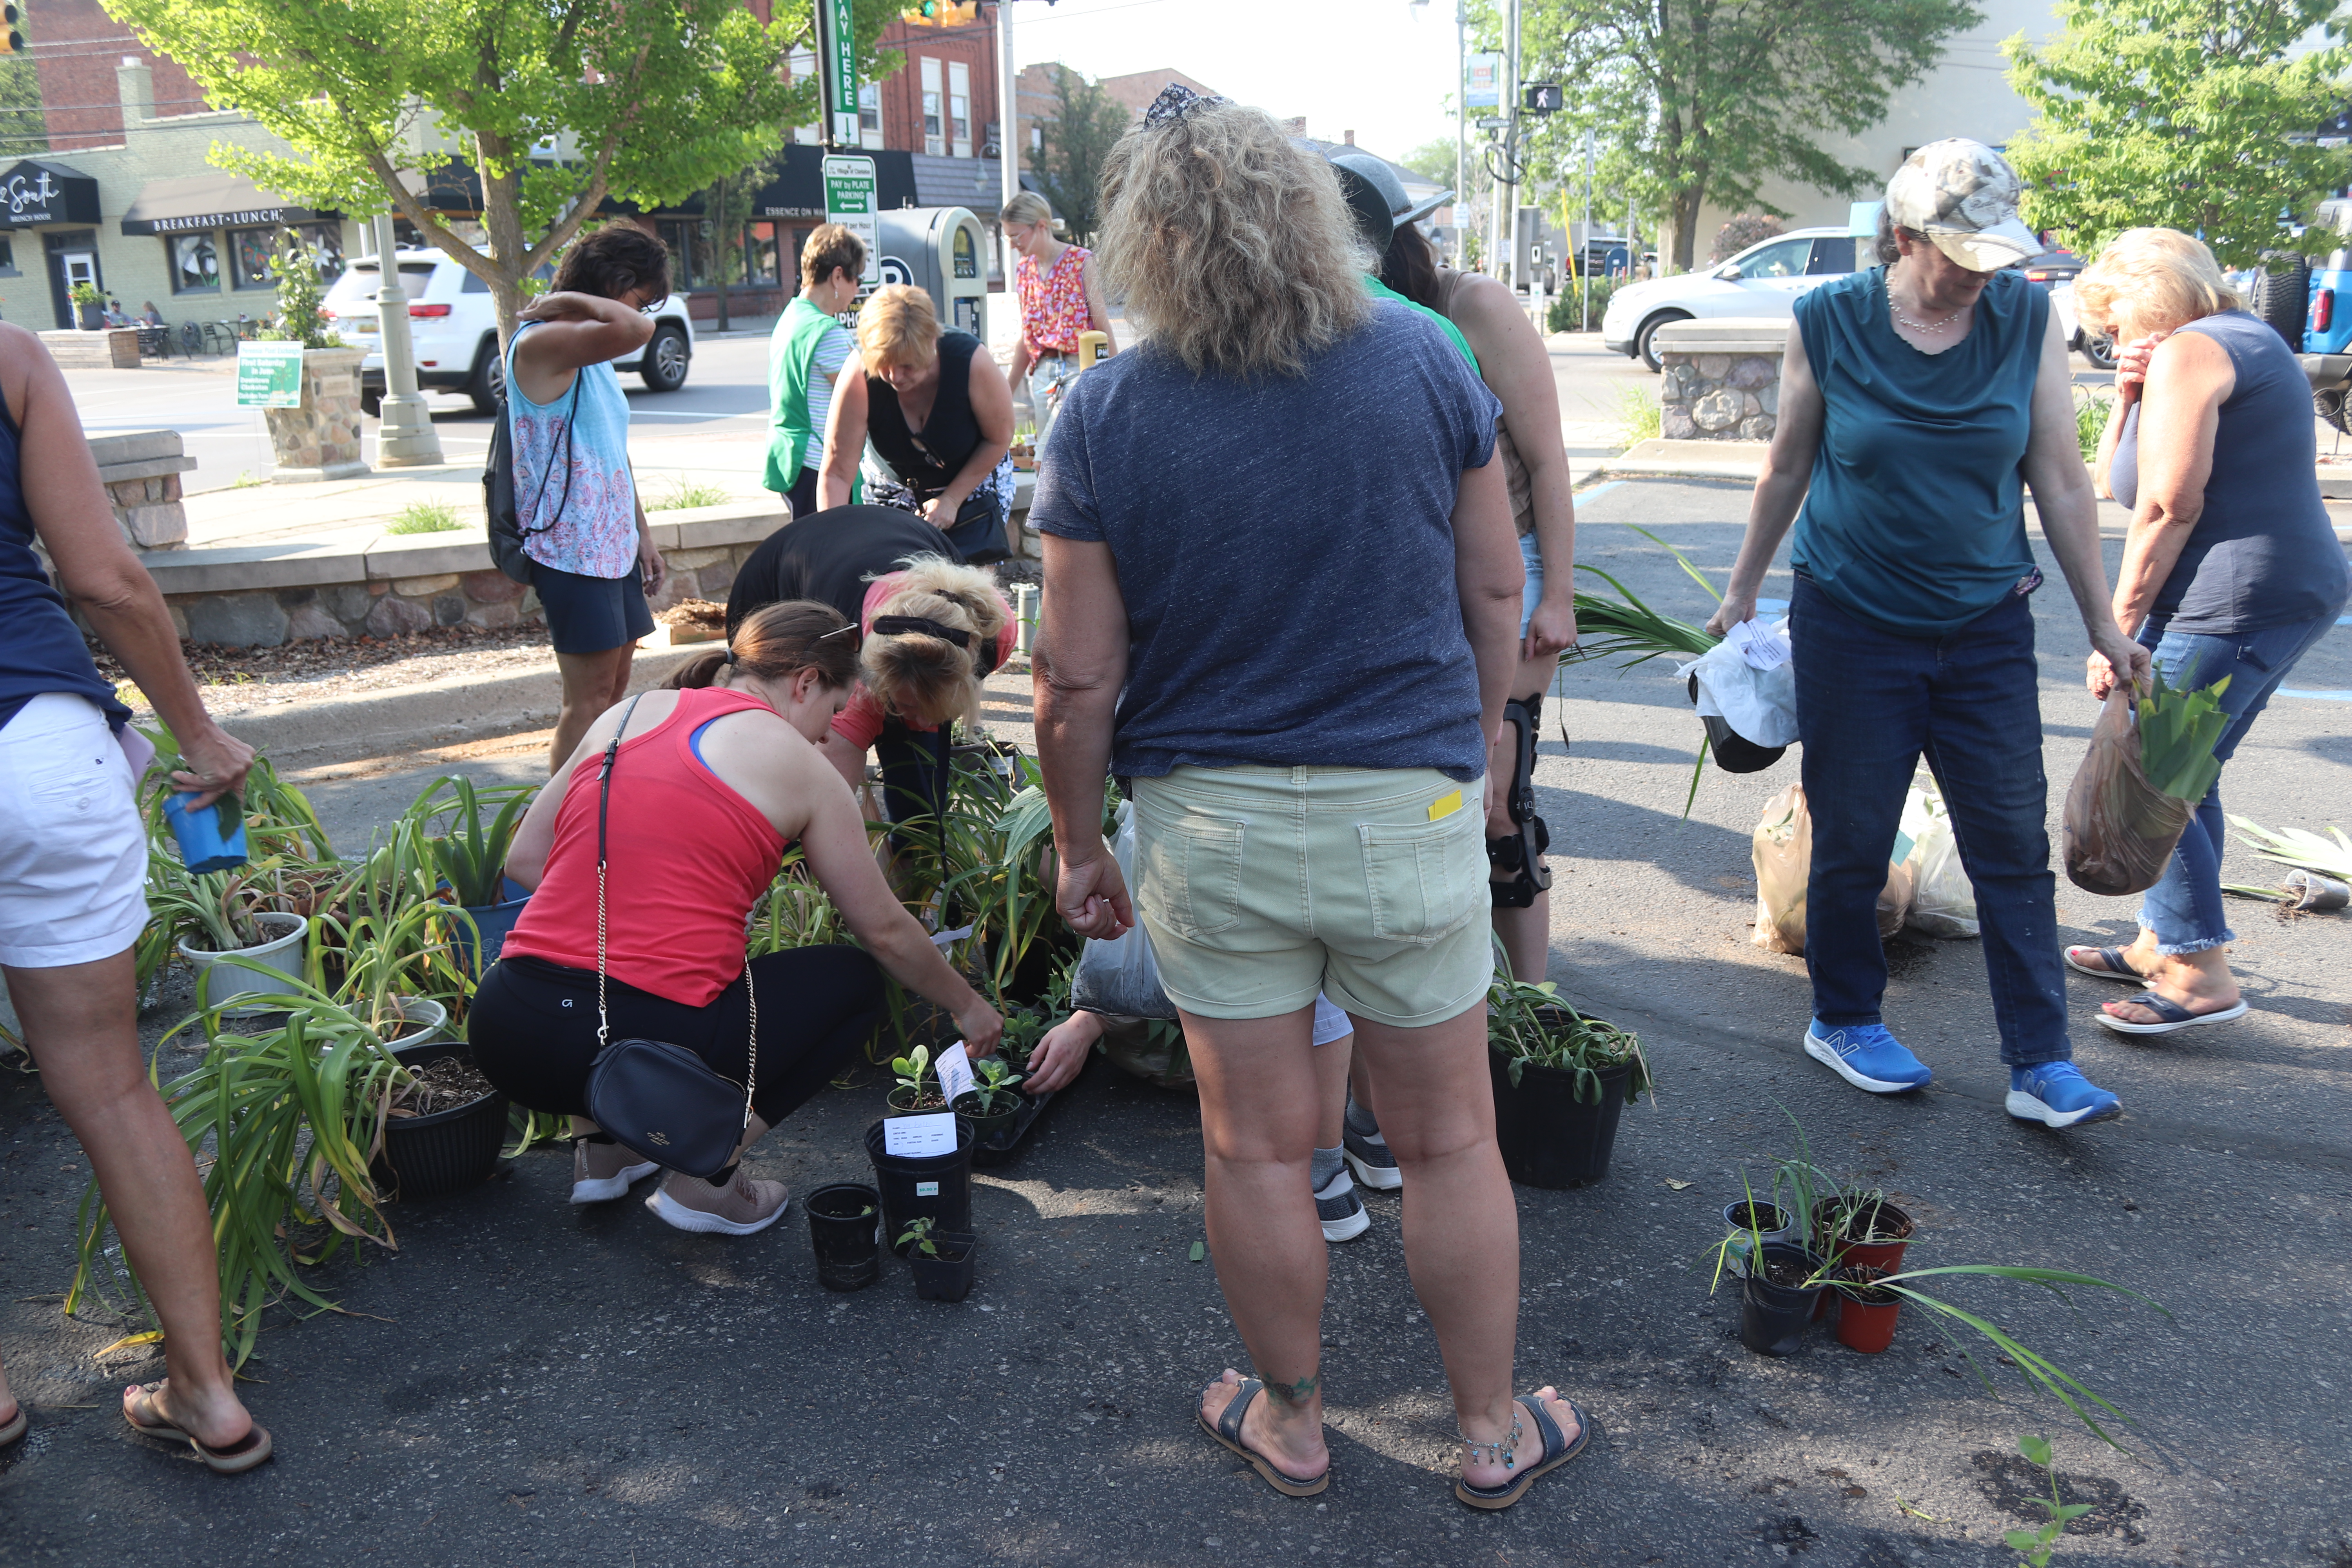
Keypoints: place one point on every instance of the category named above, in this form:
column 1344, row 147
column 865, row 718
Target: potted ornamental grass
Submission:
column 1561, row 1080
column 467, row 835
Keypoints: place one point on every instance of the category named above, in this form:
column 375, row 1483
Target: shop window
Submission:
column 252, row 256
column 960, row 109
column 194, row 263
column 760, row 256
column 326, row 242
column 691, row 263
column 7, row 258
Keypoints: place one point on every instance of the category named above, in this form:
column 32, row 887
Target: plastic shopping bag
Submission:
column 1121, row 975
column 1942, row 901
column 1759, row 704
column 2119, row 828
column 1783, row 848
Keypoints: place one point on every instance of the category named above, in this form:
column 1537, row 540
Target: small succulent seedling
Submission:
column 2036, row 1545
column 918, row 1232
column 914, row 1077
column 995, row 1083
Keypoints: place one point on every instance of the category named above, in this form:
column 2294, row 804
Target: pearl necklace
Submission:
column 1902, row 320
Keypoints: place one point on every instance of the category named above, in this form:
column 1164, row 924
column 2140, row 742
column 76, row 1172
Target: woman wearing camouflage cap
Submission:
column 1919, row 399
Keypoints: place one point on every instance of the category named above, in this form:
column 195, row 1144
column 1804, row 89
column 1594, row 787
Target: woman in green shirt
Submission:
column 805, row 357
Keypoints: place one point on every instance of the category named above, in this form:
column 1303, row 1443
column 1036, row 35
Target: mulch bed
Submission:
column 332, row 665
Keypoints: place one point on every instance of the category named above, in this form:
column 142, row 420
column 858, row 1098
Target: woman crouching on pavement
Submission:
column 710, row 783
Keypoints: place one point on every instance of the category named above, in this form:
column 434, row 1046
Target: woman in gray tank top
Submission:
column 2231, row 569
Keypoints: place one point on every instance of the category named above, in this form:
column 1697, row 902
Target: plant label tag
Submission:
column 916, row 1137
column 954, row 1068
column 926, row 1189
column 1763, row 646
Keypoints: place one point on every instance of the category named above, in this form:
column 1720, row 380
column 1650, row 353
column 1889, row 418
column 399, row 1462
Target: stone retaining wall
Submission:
column 1721, row 380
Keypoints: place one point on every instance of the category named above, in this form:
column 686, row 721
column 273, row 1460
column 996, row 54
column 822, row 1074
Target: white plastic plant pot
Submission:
column 218, row 981
column 424, row 1022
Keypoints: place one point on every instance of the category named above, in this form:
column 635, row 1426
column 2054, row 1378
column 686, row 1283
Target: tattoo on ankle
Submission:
column 1293, row 1394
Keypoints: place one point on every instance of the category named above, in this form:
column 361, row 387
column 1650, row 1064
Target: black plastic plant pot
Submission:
column 448, row 1152
column 1007, row 1145
column 1549, row 1139
column 937, row 1186
column 1773, row 1316
column 987, row 1125
column 846, row 1228
column 901, row 1102
column 948, row 1276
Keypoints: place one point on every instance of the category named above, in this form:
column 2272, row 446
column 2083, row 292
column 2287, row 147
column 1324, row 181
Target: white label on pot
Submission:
column 926, row 1189
column 954, row 1068
column 919, row 1136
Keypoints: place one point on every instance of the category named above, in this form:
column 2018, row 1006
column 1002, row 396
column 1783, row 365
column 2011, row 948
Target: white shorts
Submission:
column 73, row 854
column 1330, row 1023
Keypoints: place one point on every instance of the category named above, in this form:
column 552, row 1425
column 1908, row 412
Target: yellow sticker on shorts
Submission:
column 1445, row 805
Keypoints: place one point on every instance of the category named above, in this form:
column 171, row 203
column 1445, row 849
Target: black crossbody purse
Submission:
column 660, row 1100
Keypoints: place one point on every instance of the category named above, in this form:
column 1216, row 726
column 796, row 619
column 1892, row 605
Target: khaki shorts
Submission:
column 1261, row 886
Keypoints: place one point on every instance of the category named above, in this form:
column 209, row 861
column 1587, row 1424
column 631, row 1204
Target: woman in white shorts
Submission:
column 73, row 858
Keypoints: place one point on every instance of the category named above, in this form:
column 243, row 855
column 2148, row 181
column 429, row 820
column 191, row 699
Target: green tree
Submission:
column 1085, row 124
column 556, row 104
column 2180, row 115
column 1433, row 160
column 24, row 132
column 1709, row 98
column 727, row 207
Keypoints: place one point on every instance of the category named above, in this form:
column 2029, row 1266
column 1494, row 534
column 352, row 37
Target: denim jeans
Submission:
column 1869, row 703
column 2184, row 909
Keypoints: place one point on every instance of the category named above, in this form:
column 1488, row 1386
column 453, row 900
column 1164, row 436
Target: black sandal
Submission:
column 1228, row 1431
column 2112, row 958
column 1557, row 1451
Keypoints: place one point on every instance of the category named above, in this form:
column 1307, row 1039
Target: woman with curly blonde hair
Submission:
column 1301, row 681
column 932, row 630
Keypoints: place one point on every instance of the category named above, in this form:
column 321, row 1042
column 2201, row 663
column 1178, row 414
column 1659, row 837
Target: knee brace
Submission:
column 1517, row 852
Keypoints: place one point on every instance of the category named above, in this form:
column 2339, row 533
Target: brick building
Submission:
column 76, row 50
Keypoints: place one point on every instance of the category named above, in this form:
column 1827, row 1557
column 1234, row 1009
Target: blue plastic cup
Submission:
column 202, row 848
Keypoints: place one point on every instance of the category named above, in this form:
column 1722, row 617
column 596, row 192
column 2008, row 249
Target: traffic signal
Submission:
column 941, row 13
column 12, row 42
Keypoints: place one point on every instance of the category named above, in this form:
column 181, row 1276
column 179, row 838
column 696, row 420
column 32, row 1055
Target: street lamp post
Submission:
column 1461, row 128
column 1008, row 92
column 405, row 435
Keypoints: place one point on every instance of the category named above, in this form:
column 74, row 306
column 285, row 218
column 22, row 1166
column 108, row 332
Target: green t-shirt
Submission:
column 1380, row 290
column 804, row 355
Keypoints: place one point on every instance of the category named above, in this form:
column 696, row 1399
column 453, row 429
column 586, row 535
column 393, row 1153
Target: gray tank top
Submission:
column 2262, row 553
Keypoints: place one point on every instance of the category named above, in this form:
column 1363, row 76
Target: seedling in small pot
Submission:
column 918, row 1235
column 917, row 1089
column 2036, row 1545
column 997, row 1085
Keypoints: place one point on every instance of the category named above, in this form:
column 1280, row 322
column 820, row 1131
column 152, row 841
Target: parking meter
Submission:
column 944, row 252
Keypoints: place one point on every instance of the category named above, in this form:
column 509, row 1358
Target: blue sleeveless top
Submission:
column 1915, row 518
column 2262, row 553
column 41, row 649
column 585, row 522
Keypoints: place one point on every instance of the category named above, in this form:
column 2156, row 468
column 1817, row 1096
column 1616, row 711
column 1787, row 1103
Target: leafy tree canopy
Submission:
column 1087, row 122
column 1707, row 99
column 556, row 104
column 2178, row 115
column 1433, row 160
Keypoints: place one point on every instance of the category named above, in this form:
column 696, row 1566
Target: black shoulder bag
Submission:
column 507, row 531
column 661, row 1100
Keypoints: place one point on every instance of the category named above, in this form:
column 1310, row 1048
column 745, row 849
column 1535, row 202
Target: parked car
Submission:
column 1762, row 281
column 2053, row 268
column 2099, row 350
column 456, row 330
column 2301, row 303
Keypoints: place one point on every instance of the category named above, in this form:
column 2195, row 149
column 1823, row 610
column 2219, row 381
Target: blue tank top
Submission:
column 1915, row 518
column 2262, row 553
column 41, row 649
column 584, row 522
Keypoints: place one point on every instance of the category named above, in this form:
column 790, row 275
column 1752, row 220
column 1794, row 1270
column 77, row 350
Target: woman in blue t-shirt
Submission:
column 1917, row 400
column 2231, row 569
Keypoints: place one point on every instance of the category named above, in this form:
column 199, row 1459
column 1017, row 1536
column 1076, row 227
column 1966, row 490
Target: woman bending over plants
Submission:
column 709, row 783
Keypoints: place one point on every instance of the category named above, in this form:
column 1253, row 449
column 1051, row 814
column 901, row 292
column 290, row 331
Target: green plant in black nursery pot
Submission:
column 942, row 1261
column 1561, row 1080
column 917, row 1092
column 993, row 1101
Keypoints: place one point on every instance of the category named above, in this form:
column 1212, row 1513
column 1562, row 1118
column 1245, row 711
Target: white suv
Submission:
column 1762, row 281
column 456, row 330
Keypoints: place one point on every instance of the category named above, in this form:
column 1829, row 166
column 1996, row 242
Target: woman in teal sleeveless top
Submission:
column 1918, row 400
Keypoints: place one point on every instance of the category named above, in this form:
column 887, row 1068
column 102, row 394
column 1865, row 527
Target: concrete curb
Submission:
column 433, row 713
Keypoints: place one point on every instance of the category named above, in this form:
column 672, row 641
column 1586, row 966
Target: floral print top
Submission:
column 590, row 517
column 1053, row 306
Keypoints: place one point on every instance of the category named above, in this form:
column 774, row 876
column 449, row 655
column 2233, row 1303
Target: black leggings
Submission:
column 533, row 1027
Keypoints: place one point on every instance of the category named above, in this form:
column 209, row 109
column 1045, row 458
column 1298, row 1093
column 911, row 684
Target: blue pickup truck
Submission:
column 2311, row 308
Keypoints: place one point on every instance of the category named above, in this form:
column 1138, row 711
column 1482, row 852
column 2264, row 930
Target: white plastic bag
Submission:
column 1760, row 705
column 1121, row 975
column 1942, row 901
column 1783, row 843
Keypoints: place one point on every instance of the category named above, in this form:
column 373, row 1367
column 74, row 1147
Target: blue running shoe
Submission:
column 1867, row 1057
column 2056, row 1094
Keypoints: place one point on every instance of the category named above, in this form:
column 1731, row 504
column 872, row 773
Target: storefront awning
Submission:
column 215, row 199
column 798, row 189
column 34, row 192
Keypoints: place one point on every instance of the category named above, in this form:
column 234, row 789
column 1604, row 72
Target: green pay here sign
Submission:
column 269, row 375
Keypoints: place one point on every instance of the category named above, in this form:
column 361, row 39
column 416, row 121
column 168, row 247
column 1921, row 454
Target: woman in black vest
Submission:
column 939, row 413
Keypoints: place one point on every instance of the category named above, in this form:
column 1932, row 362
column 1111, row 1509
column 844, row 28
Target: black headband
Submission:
column 984, row 662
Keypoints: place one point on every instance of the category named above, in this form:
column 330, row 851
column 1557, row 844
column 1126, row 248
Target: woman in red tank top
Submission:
column 713, row 780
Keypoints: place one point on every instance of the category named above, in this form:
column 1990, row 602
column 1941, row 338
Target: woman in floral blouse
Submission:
column 1058, row 301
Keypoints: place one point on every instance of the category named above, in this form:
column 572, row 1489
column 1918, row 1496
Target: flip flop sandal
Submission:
column 1557, row 1451
column 1228, row 1431
column 2174, row 1015
column 2116, row 968
column 16, row 1426
column 243, row 1454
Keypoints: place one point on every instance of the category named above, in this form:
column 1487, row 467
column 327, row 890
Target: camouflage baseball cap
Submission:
column 1963, row 196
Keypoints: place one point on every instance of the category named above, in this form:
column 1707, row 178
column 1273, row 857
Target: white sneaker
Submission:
column 603, row 1172
column 743, row 1208
column 1340, row 1210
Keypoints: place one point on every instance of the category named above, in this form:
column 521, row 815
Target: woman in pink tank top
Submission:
column 712, row 781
